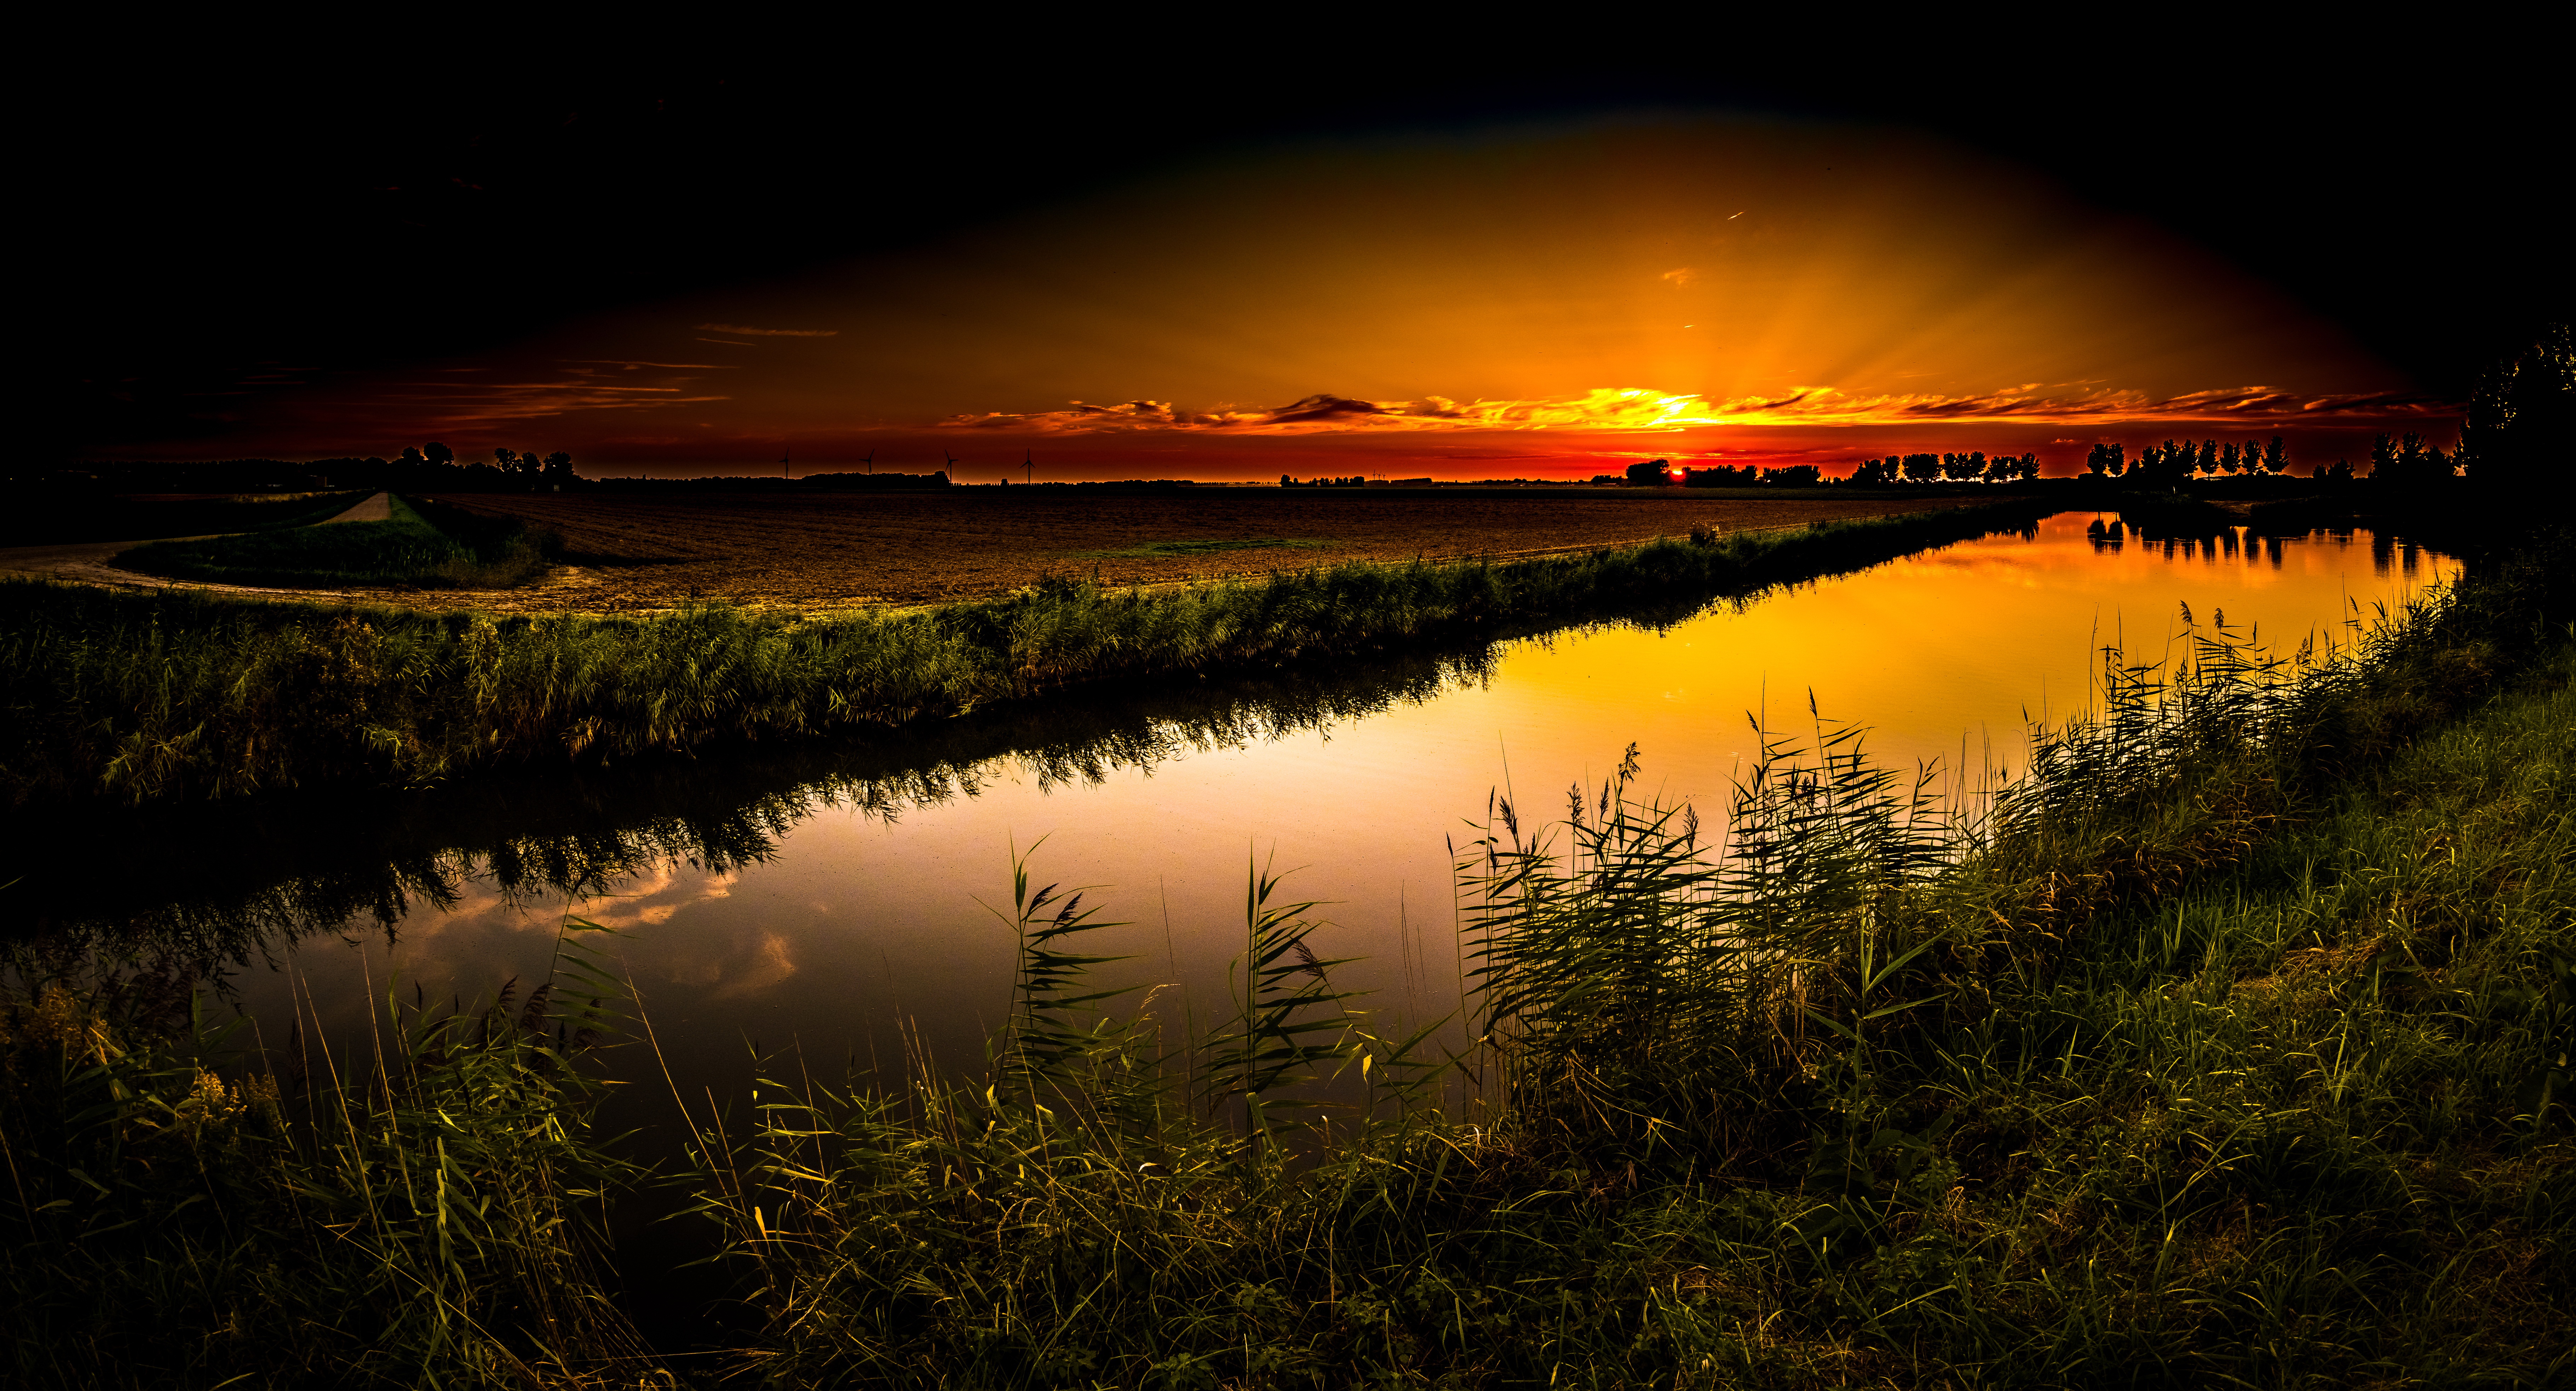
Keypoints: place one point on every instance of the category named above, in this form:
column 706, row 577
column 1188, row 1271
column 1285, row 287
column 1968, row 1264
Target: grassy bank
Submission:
column 142, row 697
column 423, row 545
column 2229, row 1047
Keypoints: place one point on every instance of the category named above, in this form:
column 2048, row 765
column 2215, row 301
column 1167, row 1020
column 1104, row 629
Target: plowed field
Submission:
column 836, row 550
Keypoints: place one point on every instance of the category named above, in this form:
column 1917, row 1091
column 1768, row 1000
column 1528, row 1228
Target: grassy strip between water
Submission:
column 424, row 545
column 140, row 697
column 2228, row 1047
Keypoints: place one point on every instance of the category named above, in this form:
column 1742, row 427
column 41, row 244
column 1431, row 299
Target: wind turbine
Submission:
column 870, row 461
column 952, row 461
column 783, row 470
column 1028, row 469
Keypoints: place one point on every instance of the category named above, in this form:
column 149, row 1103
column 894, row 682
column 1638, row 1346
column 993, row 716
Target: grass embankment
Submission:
column 140, row 697
column 2232, row 1048
column 424, row 545
column 39, row 520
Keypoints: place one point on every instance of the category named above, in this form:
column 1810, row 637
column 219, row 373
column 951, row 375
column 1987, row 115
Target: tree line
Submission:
column 2408, row 459
column 1971, row 467
column 2171, row 463
column 433, row 467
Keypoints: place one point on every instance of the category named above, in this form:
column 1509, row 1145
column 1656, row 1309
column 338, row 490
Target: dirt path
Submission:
column 89, row 562
column 379, row 508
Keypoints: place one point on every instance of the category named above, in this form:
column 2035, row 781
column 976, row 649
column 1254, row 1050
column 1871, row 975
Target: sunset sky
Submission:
column 1476, row 290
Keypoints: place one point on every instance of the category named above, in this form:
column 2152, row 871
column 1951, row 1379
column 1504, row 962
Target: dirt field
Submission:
column 630, row 552
column 837, row 550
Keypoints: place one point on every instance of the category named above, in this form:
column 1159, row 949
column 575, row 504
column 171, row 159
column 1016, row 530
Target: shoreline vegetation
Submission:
column 2229, row 1043
column 139, row 698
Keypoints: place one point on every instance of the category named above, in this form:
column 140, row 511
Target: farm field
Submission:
column 626, row 552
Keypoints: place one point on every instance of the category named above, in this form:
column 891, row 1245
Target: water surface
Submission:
column 774, row 903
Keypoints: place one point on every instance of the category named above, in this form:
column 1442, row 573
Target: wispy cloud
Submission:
column 1680, row 275
column 632, row 363
column 1642, row 409
column 580, row 389
column 749, row 332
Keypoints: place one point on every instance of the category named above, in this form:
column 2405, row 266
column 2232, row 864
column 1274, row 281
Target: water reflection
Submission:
column 2188, row 535
column 239, row 883
column 825, row 892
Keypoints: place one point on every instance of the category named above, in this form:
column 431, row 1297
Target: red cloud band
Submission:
column 1637, row 408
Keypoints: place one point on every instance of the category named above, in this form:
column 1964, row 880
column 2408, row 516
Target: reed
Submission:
column 139, row 698
column 423, row 1211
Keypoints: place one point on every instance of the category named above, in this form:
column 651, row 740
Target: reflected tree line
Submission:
column 2214, row 534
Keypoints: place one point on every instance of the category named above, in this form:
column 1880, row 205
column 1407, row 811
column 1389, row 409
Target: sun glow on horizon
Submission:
column 1807, row 290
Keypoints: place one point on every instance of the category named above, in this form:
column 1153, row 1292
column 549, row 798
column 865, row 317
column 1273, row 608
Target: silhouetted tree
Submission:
column 2410, row 462
column 2274, row 460
column 2521, row 427
column 440, row 456
column 1721, row 476
column 1650, row 473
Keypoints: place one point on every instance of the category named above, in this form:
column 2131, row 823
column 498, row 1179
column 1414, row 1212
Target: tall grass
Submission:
column 140, row 698
column 424, row 1211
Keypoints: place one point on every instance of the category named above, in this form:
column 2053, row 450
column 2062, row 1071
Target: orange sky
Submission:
column 1539, row 301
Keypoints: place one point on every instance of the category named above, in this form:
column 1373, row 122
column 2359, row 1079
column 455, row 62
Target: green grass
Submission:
column 1200, row 547
column 454, row 550
column 143, row 697
column 40, row 520
column 2230, row 1047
